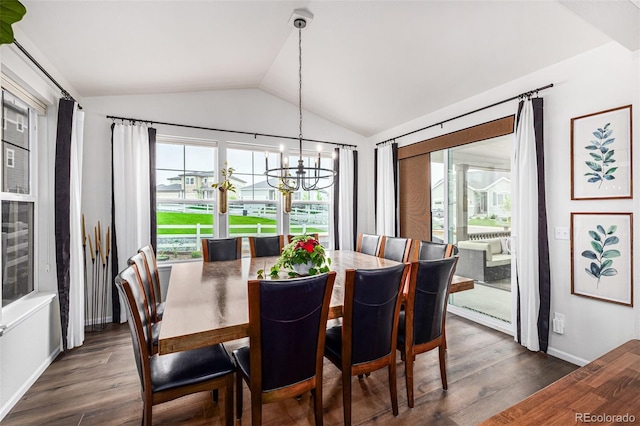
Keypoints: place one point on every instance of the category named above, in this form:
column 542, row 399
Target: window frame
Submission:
column 31, row 197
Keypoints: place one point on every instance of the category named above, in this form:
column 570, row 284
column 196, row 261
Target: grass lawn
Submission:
column 174, row 218
column 486, row 222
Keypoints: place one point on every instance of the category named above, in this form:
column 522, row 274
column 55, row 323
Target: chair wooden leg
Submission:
column 147, row 409
column 256, row 408
column 443, row 365
column 317, row 402
column 346, row 397
column 228, row 400
column 393, row 386
column 238, row 395
column 408, row 367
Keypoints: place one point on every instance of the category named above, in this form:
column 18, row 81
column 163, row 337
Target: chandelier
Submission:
column 293, row 178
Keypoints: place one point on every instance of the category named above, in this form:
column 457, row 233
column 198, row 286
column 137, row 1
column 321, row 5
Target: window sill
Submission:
column 22, row 309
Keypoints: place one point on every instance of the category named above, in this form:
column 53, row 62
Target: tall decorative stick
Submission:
column 96, row 282
column 93, row 278
column 106, row 272
column 103, row 319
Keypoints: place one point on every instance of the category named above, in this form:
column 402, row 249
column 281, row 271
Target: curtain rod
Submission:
column 255, row 134
column 521, row 95
column 65, row 94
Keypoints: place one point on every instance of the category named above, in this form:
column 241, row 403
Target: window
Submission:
column 20, row 123
column 310, row 209
column 11, row 155
column 185, row 210
column 253, row 209
column 17, row 200
column 186, row 203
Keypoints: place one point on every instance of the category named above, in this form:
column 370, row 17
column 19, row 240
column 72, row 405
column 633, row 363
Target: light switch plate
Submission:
column 561, row 233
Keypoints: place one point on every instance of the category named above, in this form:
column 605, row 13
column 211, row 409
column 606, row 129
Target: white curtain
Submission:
column 346, row 180
column 75, row 329
column 131, row 192
column 525, row 228
column 386, row 203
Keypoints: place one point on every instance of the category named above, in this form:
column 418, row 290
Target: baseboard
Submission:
column 91, row 321
column 566, row 357
column 11, row 402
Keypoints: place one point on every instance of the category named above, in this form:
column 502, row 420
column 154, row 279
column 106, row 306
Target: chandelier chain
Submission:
column 300, row 79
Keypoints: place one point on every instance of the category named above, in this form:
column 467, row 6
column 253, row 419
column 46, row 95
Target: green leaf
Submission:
column 589, row 272
column 607, row 134
column 607, row 263
column 611, row 240
column 609, row 254
column 608, row 141
column 11, row 11
column 589, row 255
column 609, row 272
column 601, row 229
column 591, row 147
column 594, row 166
column 595, row 269
column 611, row 170
column 595, row 235
column 612, row 229
column 598, row 134
column 595, row 156
column 596, row 246
column 594, row 179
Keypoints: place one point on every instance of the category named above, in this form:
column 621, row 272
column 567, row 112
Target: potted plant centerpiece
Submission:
column 304, row 255
column 225, row 186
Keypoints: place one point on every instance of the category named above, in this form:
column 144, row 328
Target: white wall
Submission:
column 603, row 78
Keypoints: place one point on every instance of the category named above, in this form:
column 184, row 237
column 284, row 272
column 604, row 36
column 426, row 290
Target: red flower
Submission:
column 308, row 246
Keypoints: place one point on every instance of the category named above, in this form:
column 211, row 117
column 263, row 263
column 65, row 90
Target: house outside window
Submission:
column 17, row 201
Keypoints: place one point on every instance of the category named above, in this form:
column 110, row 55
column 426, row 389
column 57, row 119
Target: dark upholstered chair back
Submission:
column 288, row 336
column 429, row 250
column 143, row 275
column 135, row 306
column 152, row 264
column 395, row 248
column 214, row 250
column 375, row 293
column 369, row 244
column 266, row 246
column 430, row 301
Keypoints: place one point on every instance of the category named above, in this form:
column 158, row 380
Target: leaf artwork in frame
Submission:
column 602, row 256
column 601, row 152
column 601, row 155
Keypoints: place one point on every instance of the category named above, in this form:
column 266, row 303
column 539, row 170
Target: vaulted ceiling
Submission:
column 367, row 66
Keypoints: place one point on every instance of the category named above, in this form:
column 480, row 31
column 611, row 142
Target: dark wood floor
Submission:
column 97, row 384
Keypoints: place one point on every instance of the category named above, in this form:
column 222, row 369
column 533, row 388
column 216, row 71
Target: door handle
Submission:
column 2, row 328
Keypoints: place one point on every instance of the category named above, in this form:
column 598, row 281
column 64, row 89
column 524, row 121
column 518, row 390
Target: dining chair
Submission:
column 137, row 261
column 314, row 235
column 167, row 377
column 218, row 249
column 366, row 340
column 287, row 326
column 429, row 250
column 266, row 246
column 395, row 248
column 422, row 323
column 152, row 270
column 369, row 244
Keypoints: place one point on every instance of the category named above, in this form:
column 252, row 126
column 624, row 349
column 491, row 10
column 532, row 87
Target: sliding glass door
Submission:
column 471, row 207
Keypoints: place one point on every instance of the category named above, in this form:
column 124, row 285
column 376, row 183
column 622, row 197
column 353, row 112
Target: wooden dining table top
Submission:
column 207, row 302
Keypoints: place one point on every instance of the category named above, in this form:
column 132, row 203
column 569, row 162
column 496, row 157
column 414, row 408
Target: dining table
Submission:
column 207, row 302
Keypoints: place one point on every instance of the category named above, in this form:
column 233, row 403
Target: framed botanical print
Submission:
column 602, row 256
column 601, row 160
